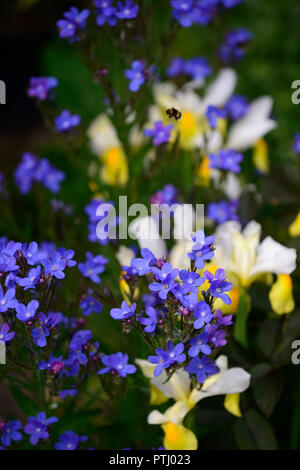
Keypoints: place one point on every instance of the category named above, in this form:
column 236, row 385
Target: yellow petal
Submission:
column 157, row 397
column 281, row 295
column 177, row 437
column 115, row 169
column 261, row 156
column 203, row 173
column 294, row 228
column 126, row 291
column 232, row 404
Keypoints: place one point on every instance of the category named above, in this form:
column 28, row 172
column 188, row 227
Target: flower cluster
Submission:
column 189, row 12
column 92, row 267
column 66, row 121
column 35, row 170
column 41, row 87
column 180, row 322
column 37, row 428
column 226, row 160
column 72, row 24
column 161, row 134
column 108, row 13
column 233, row 48
column 195, row 68
column 222, row 211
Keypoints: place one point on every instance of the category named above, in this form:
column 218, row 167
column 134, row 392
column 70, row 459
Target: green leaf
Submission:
column 254, row 432
column 267, row 391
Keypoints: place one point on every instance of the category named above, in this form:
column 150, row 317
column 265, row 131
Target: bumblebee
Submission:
column 174, row 113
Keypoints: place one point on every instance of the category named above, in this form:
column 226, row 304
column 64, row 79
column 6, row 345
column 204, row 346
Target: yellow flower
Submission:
column 260, row 156
column 203, row 173
column 294, row 228
column 177, row 437
column 281, row 295
column 115, row 169
column 232, row 404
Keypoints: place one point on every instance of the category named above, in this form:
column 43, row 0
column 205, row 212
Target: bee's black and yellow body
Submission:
column 174, row 113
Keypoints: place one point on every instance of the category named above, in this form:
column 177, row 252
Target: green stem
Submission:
column 240, row 332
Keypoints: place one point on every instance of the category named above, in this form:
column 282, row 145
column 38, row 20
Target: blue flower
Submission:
column 65, row 121
column 201, row 250
column 166, row 195
column 176, row 67
column 226, row 160
column 7, row 300
column 165, row 359
column 143, row 265
column 105, row 12
column 74, row 21
column 219, row 285
column 199, row 344
column 55, row 265
column 197, row 68
column 92, row 267
column 71, row 392
column 10, row 432
column 164, row 280
column 90, row 305
column 136, row 75
column 69, row 440
column 40, row 87
column 40, row 332
column 237, row 107
column 31, row 280
column 231, row 3
column 54, row 364
column 222, row 211
column 183, row 12
column 203, row 314
column 37, row 427
column 118, row 364
column 216, row 337
column 124, row 312
column 191, row 281
column 213, row 114
column 151, row 321
column 27, row 313
column 233, row 48
column 161, row 134
column 5, row 334
column 31, row 253
column 296, row 144
column 49, row 176
column 202, row 368
column 127, row 11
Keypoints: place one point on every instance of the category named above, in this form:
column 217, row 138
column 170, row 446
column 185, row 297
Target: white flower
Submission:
column 242, row 255
column 254, row 125
column 125, row 255
column 227, row 381
column 103, row 135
